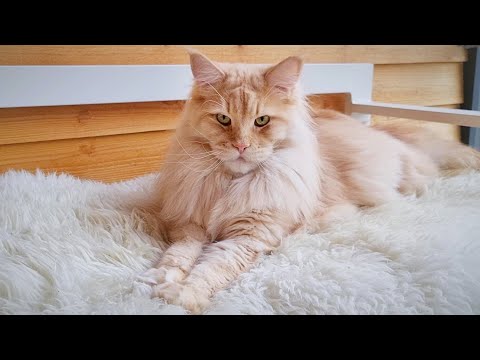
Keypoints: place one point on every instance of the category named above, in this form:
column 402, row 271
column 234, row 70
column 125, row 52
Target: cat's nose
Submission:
column 241, row 147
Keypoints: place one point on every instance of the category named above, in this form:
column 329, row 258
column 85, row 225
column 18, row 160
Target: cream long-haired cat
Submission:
column 250, row 163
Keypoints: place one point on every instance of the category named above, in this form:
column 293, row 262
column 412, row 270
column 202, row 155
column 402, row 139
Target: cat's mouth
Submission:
column 241, row 157
column 238, row 160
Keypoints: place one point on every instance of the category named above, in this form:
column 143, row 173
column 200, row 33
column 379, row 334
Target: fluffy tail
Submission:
column 447, row 154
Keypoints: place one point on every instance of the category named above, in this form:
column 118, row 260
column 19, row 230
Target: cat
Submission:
column 251, row 163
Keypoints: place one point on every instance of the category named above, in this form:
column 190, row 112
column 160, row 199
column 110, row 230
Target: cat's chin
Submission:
column 239, row 166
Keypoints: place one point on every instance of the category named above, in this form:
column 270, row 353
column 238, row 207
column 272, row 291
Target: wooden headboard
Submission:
column 112, row 142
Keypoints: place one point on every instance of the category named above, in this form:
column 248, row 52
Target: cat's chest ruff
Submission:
column 216, row 192
column 224, row 196
column 213, row 189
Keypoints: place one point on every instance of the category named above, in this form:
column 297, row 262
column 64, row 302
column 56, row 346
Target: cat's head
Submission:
column 244, row 112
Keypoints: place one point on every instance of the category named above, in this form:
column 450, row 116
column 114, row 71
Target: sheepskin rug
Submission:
column 69, row 246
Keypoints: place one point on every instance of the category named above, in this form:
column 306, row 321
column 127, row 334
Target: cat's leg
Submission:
column 220, row 263
column 224, row 261
column 177, row 261
column 372, row 191
column 331, row 215
column 418, row 172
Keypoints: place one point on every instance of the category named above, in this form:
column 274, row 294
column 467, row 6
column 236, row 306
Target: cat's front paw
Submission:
column 160, row 275
column 182, row 295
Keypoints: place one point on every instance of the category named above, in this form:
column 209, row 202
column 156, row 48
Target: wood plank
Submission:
column 445, row 131
column 419, row 84
column 120, row 157
column 333, row 101
column 172, row 54
column 107, row 158
column 22, row 125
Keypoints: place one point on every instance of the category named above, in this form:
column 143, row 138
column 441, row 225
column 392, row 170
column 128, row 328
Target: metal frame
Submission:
column 471, row 83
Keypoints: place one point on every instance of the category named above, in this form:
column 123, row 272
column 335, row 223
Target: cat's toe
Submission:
column 178, row 294
column 167, row 291
column 160, row 275
column 152, row 276
column 173, row 274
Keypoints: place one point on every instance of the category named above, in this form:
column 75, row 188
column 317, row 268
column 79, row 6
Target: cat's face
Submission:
column 243, row 111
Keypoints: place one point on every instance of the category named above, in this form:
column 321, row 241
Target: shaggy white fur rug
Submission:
column 75, row 247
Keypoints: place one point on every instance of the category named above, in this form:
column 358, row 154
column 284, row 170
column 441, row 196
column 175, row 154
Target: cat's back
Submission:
column 357, row 151
column 340, row 133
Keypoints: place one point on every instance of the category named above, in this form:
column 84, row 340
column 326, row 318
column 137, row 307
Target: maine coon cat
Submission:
column 250, row 163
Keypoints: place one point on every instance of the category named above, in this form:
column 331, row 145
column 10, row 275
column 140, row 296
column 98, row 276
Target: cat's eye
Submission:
column 262, row 120
column 223, row 119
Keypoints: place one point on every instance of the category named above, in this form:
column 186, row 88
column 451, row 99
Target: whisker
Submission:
column 207, row 160
column 200, row 157
column 197, row 142
column 204, row 155
column 203, row 143
column 200, row 171
column 262, row 168
column 269, row 92
column 206, row 176
column 216, row 162
column 215, row 102
column 213, row 87
column 204, row 152
column 194, row 128
column 176, row 137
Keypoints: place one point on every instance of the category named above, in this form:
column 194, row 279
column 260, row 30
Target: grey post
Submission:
column 471, row 84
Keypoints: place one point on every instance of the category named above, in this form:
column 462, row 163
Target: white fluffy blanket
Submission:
column 75, row 247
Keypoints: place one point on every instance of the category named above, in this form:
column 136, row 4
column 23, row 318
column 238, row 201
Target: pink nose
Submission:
column 241, row 147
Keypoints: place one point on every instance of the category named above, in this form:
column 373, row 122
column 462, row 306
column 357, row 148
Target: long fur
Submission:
column 222, row 210
column 70, row 246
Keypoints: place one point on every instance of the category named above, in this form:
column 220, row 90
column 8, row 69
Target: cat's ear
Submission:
column 285, row 74
column 203, row 69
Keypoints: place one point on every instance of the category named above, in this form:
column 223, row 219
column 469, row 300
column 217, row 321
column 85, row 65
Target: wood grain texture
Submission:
column 22, row 125
column 416, row 84
column 113, row 142
column 172, row 54
column 419, row 84
column 444, row 131
column 106, row 158
column 334, row 101
column 120, row 157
